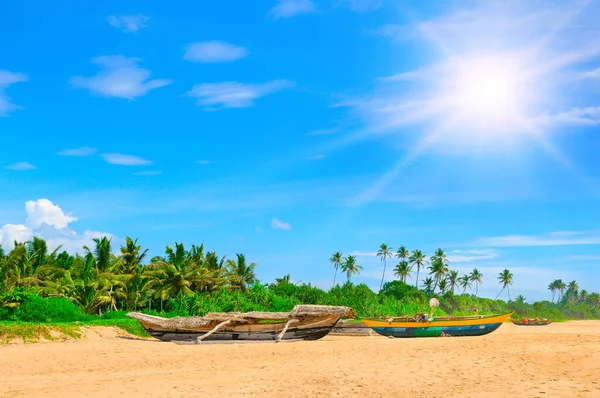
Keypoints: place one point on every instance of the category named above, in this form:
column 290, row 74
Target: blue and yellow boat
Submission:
column 422, row 325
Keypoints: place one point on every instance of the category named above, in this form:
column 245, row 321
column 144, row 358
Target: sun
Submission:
column 487, row 93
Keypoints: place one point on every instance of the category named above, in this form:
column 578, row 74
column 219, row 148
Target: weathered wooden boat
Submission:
column 531, row 322
column 422, row 325
column 304, row 322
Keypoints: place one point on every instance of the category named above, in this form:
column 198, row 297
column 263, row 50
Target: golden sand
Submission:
column 560, row 360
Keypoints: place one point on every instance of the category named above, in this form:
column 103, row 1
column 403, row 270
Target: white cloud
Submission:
column 7, row 79
column 213, row 96
column 317, row 157
column 204, row 161
column 44, row 211
column 128, row 23
column 120, row 77
column 48, row 221
column 278, row 224
column 214, row 51
column 465, row 256
column 561, row 238
column 79, row 152
column 289, row 8
column 21, row 166
column 125, row 160
column 361, row 5
column 589, row 116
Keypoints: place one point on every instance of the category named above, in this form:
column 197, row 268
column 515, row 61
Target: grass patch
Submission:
column 31, row 332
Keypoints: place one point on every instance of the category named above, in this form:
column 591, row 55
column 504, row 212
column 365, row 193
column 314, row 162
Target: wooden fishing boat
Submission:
column 304, row 322
column 351, row 327
column 422, row 325
column 531, row 322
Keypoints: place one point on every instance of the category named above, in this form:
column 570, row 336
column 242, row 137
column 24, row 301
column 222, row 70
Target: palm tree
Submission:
column 241, row 273
column 350, row 267
column 443, row 286
column 506, row 279
column 476, row 277
column 403, row 270
column 383, row 253
column 428, row 284
column 465, row 282
column 336, row 259
column 452, row 280
column 402, row 253
column 439, row 266
column 560, row 287
column 419, row 259
column 552, row 288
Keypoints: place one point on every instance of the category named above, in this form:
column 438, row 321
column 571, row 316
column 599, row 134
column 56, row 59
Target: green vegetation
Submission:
column 43, row 291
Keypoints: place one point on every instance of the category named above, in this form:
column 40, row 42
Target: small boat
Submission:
column 425, row 325
column 422, row 325
column 531, row 322
column 304, row 322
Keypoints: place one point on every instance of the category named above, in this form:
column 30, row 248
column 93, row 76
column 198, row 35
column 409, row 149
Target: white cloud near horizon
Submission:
column 119, row 77
column 560, row 238
column 79, row 152
column 215, row 96
column 214, row 52
column 289, row 8
column 125, row 160
column 278, row 224
column 128, row 23
column 7, row 79
column 48, row 221
column 20, row 166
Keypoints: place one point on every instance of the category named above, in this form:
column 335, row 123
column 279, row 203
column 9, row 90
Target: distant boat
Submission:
column 304, row 322
column 531, row 322
column 421, row 325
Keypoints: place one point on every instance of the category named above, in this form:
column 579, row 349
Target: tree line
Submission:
column 441, row 278
column 100, row 281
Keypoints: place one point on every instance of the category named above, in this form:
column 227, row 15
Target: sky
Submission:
column 290, row 129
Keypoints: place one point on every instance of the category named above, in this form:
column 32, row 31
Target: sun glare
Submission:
column 490, row 94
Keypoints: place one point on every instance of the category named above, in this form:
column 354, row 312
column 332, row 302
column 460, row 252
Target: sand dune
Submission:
column 560, row 360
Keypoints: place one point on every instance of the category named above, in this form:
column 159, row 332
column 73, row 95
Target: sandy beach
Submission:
column 562, row 359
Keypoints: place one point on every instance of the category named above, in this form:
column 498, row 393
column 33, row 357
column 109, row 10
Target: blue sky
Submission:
column 291, row 129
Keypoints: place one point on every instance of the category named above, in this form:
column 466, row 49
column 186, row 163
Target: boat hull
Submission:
column 448, row 326
column 437, row 331
column 307, row 329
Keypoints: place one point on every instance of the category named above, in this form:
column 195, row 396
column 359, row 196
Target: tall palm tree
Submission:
column 419, row 259
column 477, row 278
column 403, row 254
column 560, row 287
column 465, row 282
column 336, row 259
column 552, row 288
column 350, row 267
column 403, row 270
column 383, row 253
column 506, row 279
column 452, row 280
